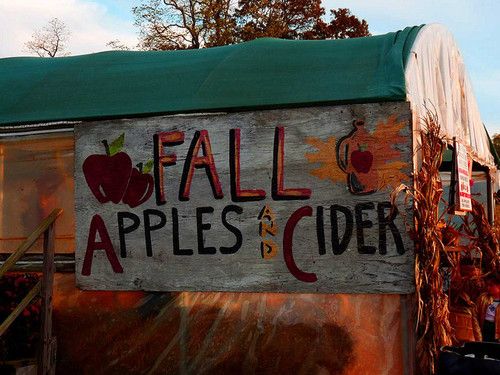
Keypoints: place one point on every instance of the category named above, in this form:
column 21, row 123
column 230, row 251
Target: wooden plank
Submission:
column 19, row 362
column 183, row 226
column 30, row 241
column 408, row 318
column 19, row 308
column 64, row 263
column 46, row 364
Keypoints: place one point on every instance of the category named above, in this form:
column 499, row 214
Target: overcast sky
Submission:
column 474, row 24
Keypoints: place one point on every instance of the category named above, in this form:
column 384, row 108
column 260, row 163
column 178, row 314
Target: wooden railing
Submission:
column 46, row 355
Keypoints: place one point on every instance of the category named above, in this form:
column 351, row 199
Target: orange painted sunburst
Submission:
column 386, row 169
column 326, row 158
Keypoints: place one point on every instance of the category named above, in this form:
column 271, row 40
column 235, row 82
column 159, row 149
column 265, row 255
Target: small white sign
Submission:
column 463, row 179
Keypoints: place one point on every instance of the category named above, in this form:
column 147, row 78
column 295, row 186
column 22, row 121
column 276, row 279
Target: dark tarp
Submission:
column 264, row 73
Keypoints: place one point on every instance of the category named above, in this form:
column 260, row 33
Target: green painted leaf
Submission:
column 148, row 166
column 117, row 145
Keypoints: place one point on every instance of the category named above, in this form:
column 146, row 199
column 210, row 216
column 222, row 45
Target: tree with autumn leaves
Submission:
column 496, row 143
column 191, row 24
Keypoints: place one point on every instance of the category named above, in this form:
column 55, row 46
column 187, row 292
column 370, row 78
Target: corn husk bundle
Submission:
column 433, row 327
column 485, row 238
column 480, row 259
column 470, row 268
column 470, row 288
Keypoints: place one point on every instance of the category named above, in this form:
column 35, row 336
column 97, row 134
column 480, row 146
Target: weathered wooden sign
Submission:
column 293, row 200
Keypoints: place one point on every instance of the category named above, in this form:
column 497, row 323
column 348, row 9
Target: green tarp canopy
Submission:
column 264, row 73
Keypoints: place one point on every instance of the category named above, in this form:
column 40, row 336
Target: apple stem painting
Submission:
column 106, row 146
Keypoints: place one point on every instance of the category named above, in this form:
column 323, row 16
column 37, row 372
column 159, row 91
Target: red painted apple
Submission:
column 140, row 187
column 362, row 160
column 108, row 175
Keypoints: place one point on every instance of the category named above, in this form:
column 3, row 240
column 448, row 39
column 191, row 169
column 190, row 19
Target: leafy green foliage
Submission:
column 117, row 145
column 148, row 166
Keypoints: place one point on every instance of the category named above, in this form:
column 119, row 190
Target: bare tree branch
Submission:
column 50, row 41
column 117, row 45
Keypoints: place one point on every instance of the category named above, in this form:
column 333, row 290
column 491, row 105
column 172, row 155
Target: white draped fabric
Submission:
column 436, row 80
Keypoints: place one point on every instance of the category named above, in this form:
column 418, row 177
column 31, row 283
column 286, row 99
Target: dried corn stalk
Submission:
column 486, row 240
column 433, row 327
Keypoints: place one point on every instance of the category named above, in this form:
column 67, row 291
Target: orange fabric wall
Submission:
column 231, row 333
column 36, row 176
